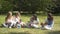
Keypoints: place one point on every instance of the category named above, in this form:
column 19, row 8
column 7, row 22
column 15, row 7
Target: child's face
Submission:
column 16, row 15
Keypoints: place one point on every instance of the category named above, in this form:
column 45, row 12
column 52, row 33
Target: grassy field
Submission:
column 56, row 29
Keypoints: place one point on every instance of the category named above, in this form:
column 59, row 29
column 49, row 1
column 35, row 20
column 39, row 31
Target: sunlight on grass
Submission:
column 24, row 18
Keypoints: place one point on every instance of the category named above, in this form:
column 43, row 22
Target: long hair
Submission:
column 50, row 17
column 17, row 14
column 9, row 15
column 35, row 17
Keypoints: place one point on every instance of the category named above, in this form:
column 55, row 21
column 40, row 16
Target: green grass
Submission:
column 25, row 18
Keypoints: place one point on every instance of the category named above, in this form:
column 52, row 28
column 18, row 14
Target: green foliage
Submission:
column 56, row 8
column 6, row 5
column 30, row 6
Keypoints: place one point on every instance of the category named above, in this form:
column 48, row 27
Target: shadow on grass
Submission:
column 19, row 33
column 54, row 32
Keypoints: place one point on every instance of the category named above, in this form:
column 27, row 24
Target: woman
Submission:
column 48, row 23
column 34, row 21
column 8, row 20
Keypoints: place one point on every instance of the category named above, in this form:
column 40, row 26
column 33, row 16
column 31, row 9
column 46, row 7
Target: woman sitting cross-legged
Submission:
column 34, row 21
column 48, row 23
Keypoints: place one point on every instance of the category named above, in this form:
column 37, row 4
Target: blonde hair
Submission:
column 9, row 15
column 17, row 13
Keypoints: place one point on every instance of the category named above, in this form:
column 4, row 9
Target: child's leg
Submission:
column 10, row 25
column 34, row 25
column 23, row 24
column 28, row 24
column 5, row 25
column 47, row 27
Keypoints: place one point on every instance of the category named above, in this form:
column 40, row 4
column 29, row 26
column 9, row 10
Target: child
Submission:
column 34, row 21
column 18, row 20
column 8, row 20
column 48, row 23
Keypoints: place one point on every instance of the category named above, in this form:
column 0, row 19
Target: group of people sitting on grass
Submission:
column 15, row 21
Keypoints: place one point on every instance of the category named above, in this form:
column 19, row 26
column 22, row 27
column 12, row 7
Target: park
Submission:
column 27, row 8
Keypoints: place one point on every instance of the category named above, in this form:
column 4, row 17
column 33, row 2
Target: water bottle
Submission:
column 18, row 26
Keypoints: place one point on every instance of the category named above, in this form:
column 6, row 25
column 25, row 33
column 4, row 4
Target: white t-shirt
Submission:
column 36, row 21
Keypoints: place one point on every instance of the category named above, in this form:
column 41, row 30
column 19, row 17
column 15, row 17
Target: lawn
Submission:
column 25, row 18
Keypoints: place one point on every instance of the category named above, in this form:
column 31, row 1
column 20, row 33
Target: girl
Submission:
column 18, row 20
column 34, row 21
column 48, row 23
column 8, row 20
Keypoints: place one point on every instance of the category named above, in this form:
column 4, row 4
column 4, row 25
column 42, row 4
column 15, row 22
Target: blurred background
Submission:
column 30, row 6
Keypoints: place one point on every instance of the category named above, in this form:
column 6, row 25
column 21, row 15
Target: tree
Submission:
column 33, row 5
column 30, row 6
column 57, row 6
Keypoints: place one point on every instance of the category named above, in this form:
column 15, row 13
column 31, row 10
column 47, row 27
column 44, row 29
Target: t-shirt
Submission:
column 49, row 22
column 35, row 21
